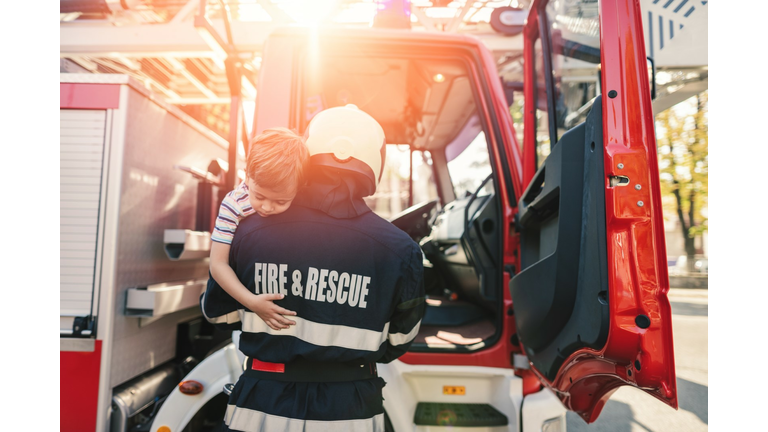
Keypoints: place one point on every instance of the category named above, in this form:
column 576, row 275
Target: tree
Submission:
column 683, row 167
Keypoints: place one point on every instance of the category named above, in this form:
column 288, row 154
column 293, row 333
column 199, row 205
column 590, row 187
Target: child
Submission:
column 275, row 170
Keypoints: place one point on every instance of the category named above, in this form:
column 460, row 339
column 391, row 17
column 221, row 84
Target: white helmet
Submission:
column 349, row 139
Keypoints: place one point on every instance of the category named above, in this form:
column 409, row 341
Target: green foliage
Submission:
column 682, row 140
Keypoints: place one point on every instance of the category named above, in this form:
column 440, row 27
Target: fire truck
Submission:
column 542, row 235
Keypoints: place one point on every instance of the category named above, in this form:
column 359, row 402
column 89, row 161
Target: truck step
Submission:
column 458, row 414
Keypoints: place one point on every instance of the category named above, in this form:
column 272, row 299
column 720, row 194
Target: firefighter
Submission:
column 354, row 279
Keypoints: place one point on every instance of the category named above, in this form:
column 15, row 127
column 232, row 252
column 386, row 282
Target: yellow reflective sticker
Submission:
column 454, row 390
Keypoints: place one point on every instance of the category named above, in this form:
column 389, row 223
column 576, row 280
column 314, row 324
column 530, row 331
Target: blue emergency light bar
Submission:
column 392, row 14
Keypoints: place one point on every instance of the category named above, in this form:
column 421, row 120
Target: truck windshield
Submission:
column 469, row 168
column 426, row 106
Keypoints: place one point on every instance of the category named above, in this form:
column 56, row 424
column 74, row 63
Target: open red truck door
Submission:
column 590, row 300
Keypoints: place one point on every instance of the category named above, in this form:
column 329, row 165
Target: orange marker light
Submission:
column 454, row 390
column 163, row 429
column 190, row 387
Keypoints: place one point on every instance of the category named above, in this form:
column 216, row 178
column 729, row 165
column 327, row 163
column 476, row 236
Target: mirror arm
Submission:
column 653, row 77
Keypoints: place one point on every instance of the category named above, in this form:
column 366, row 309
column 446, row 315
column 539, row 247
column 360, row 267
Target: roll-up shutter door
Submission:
column 82, row 150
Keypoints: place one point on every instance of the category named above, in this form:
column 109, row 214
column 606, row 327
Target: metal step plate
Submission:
column 457, row 414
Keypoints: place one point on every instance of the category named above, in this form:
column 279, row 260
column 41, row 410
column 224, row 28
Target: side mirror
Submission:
column 652, row 76
column 510, row 87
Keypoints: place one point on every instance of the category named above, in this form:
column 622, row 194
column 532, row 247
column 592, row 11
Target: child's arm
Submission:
column 262, row 304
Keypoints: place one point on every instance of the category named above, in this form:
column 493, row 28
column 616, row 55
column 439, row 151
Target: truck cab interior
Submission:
column 438, row 183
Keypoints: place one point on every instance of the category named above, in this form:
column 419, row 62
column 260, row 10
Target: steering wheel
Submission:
column 468, row 220
column 471, row 200
column 416, row 221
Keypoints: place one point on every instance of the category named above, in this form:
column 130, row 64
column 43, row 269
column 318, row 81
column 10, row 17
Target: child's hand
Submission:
column 272, row 314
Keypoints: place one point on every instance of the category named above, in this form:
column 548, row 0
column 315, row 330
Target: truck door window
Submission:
column 470, row 167
column 516, row 111
column 574, row 33
column 542, row 107
column 567, row 69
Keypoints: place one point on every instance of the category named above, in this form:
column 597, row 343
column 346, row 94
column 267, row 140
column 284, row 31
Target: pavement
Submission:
column 631, row 410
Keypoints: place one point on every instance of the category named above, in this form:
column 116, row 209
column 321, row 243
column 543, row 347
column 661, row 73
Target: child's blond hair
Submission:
column 278, row 159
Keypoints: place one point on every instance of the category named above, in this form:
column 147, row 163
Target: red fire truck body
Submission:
column 544, row 260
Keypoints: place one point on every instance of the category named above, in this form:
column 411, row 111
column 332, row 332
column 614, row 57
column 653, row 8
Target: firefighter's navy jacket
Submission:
column 356, row 283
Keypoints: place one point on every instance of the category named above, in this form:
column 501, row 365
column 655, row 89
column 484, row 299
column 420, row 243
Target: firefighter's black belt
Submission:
column 301, row 370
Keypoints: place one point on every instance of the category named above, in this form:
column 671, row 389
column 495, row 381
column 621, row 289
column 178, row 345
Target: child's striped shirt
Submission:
column 234, row 208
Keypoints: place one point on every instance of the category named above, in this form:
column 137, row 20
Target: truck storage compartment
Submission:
column 120, row 193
